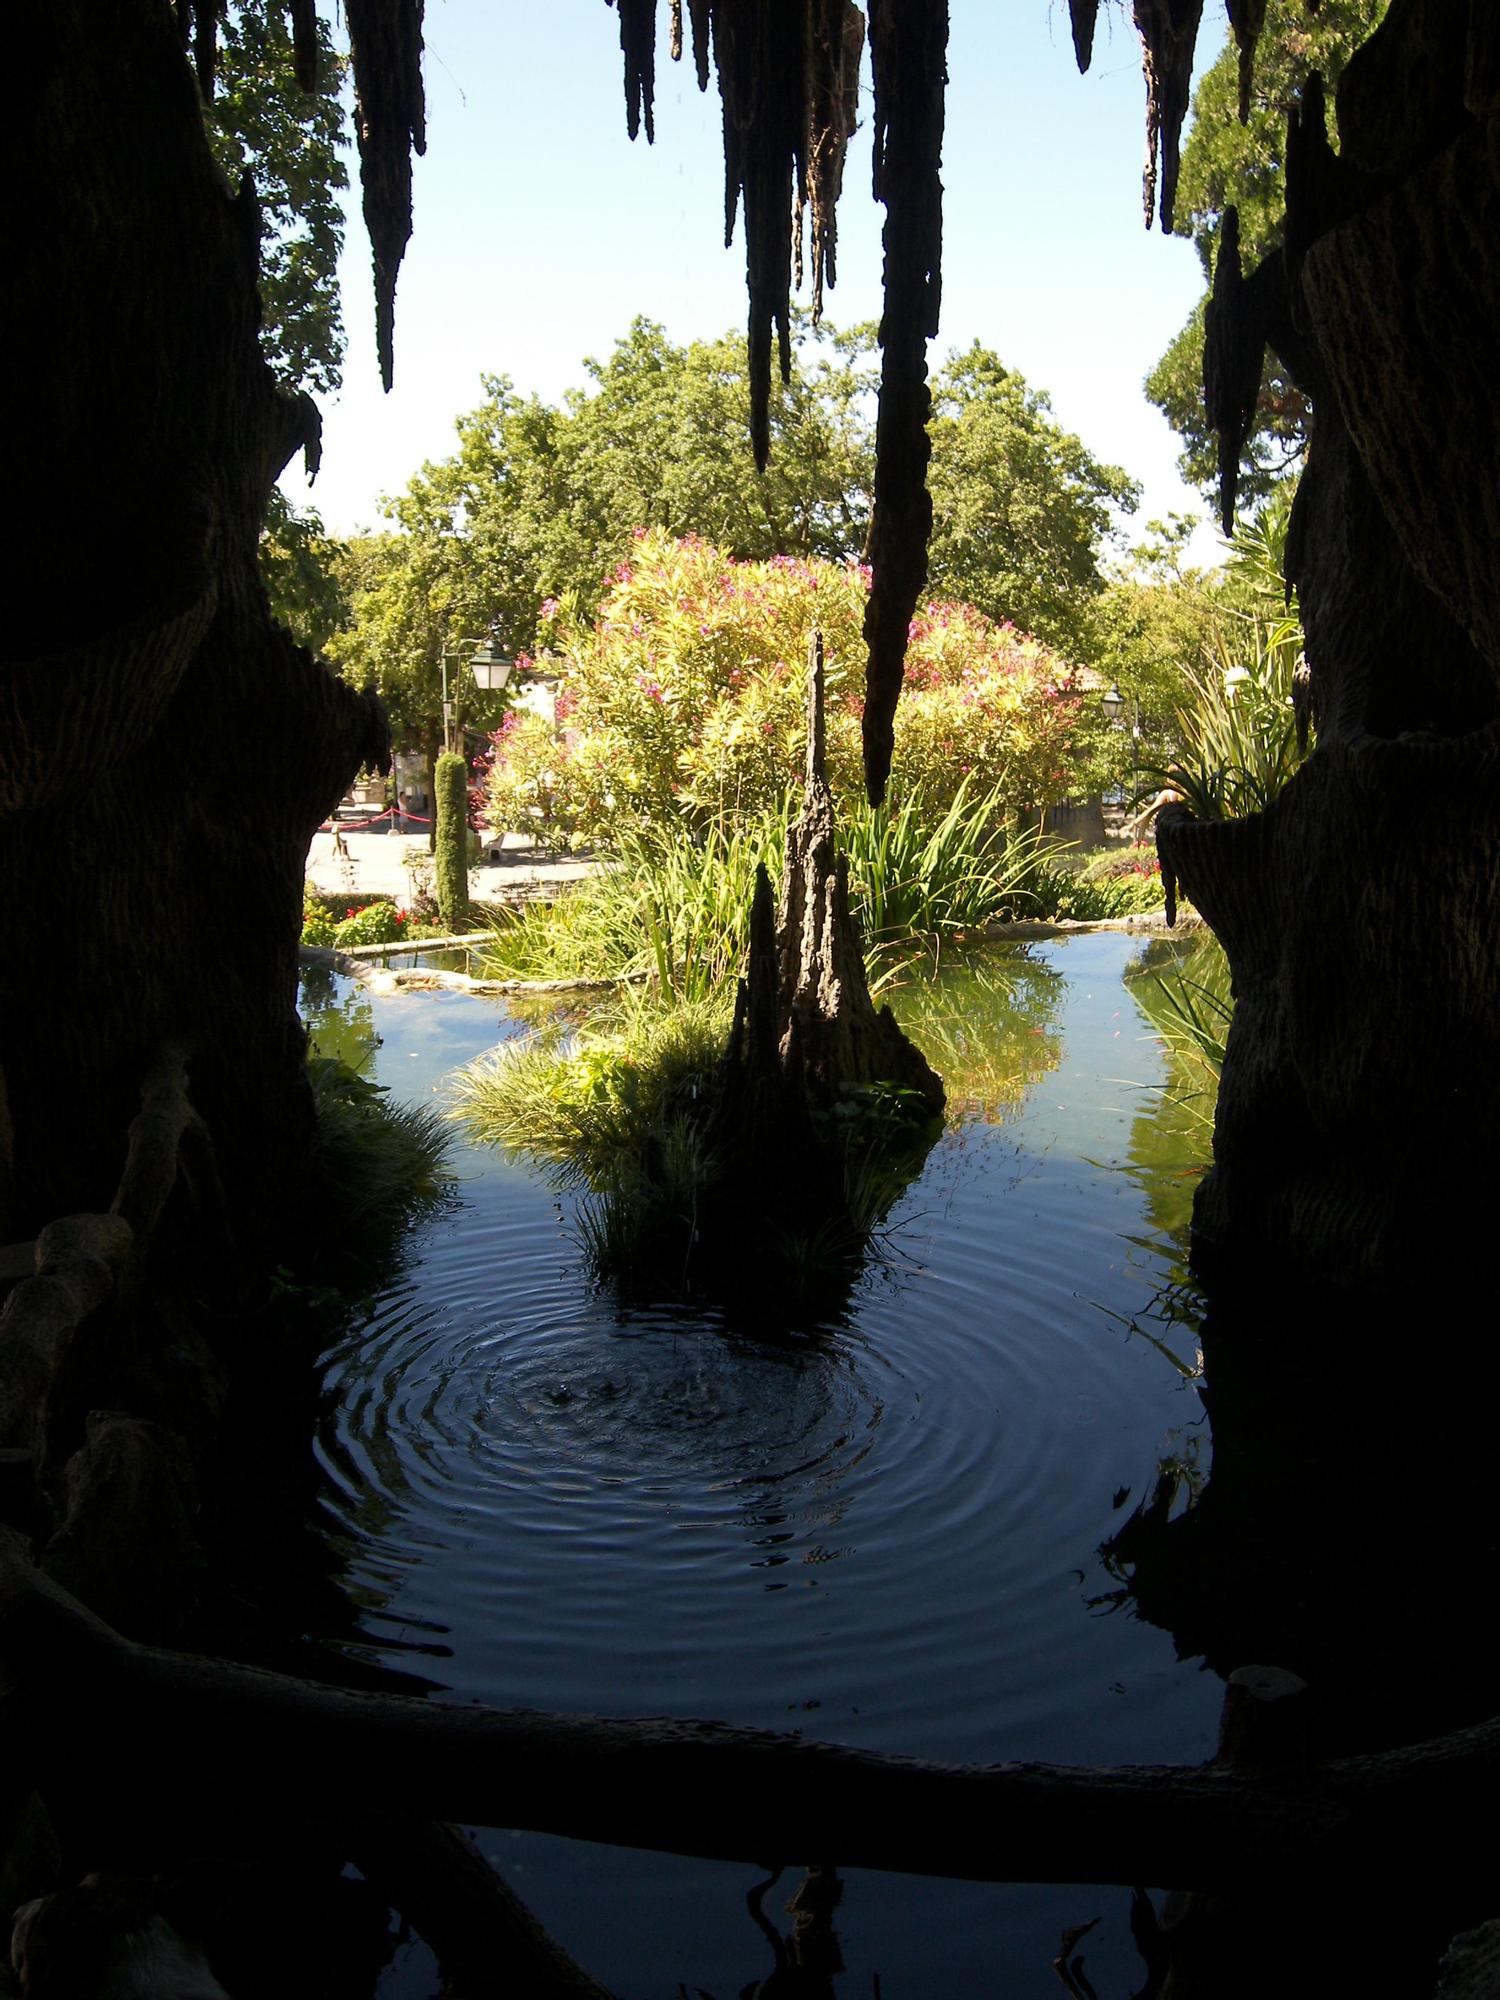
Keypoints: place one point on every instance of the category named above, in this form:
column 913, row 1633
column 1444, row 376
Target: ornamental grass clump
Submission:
column 672, row 905
column 597, row 1110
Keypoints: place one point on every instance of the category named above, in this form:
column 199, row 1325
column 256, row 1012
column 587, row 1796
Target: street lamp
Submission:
column 489, row 669
column 1112, row 703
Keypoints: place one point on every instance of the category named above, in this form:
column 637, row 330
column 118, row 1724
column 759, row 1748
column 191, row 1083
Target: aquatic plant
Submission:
column 673, row 902
column 378, row 1165
column 1190, row 1006
column 594, row 1107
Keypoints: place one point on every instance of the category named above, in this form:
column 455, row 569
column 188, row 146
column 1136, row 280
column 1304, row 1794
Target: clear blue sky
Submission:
column 540, row 231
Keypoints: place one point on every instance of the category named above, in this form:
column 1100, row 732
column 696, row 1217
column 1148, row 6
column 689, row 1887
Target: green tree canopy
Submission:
column 540, row 503
column 1021, row 509
column 1224, row 163
column 410, row 596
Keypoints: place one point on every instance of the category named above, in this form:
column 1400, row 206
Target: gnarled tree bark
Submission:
column 165, row 750
column 1361, row 912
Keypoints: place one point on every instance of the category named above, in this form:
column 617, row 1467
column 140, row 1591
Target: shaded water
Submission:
column 885, row 1535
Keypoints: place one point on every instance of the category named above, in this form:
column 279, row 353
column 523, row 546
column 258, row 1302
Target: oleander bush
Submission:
column 684, row 700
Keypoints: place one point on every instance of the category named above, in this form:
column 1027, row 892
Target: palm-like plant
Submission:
column 1239, row 728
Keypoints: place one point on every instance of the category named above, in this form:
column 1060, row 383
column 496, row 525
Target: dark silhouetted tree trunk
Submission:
column 1361, row 913
column 165, row 749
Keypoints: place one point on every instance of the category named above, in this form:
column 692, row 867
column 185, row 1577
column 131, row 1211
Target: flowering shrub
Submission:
column 376, row 923
column 686, row 698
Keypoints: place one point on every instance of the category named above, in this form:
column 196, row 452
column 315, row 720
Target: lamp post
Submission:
column 489, row 668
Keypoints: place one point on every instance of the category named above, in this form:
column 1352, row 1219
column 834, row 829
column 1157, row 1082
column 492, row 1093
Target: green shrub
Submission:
column 452, row 858
column 317, row 921
column 376, row 923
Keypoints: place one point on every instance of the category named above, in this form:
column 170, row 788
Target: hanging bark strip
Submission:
column 304, row 21
column 835, row 39
column 1247, row 18
column 758, row 53
column 788, row 81
column 385, row 45
column 1083, row 14
column 1168, row 31
column 1233, row 351
column 908, row 43
column 638, row 46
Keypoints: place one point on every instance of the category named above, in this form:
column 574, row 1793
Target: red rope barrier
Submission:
column 373, row 819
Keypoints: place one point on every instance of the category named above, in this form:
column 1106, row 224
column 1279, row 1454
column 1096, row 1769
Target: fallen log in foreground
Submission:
column 198, row 1731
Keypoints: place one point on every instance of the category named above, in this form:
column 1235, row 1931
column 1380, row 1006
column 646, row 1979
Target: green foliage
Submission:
column 687, row 697
column 378, row 1163
column 317, row 920
column 1123, row 884
column 1191, row 1007
column 452, row 864
column 538, row 505
column 918, row 870
column 596, row 1107
column 376, row 923
column 1224, row 162
column 1020, row 508
column 672, row 905
column 300, row 567
column 290, row 142
column 1154, row 618
column 410, row 595
column 1237, row 727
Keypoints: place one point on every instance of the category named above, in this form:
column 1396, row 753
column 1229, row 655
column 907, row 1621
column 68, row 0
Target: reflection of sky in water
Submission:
column 886, row 1535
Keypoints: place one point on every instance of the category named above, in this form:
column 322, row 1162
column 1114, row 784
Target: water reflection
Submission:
column 883, row 1530
column 987, row 1021
column 339, row 1016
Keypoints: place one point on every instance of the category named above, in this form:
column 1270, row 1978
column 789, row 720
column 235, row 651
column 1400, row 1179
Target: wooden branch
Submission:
column 484, row 1937
column 135, row 1717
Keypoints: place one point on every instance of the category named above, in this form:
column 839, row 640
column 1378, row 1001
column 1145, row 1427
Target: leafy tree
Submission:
column 545, row 500
column 410, row 596
column 1224, row 162
column 1020, row 508
column 1156, row 619
column 290, row 141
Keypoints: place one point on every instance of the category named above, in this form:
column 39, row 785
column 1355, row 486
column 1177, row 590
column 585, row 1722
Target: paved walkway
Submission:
column 373, row 864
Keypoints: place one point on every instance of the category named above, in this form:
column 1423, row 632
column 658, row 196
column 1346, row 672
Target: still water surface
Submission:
column 886, row 1534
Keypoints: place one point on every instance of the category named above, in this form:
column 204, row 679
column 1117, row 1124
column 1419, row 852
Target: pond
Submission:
column 886, row 1533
